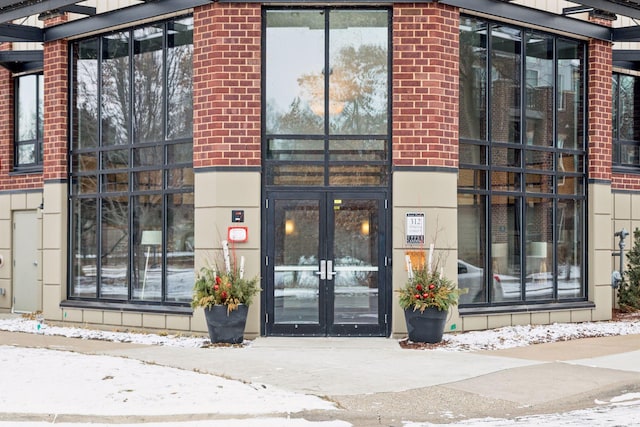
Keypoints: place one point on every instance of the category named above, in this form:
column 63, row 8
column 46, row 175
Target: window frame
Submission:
column 480, row 164
column 617, row 143
column 328, row 168
column 163, row 185
column 37, row 142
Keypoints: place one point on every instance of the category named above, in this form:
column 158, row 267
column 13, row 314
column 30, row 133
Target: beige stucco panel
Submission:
column 95, row 317
column 499, row 321
column 72, row 315
column 5, row 206
column 55, row 198
column 635, row 205
column 55, row 231
column 112, row 317
column 230, row 189
column 582, row 315
column 53, row 268
column 521, row 319
column 51, row 303
column 434, row 189
column 178, row 323
column 435, row 195
column 621, row 205
column 600, row 268
column 600, row 232
column 18, row 201
column 5, row 300
column 198, row 321
column 540, row 318
column 5, row 234
column 475, row 323
column 132, row 319
column 441, row 228
column 34, row 200
column 212, row 225
column 154, row 321
column 604, row 298
column 560, row 317
column 600, row 199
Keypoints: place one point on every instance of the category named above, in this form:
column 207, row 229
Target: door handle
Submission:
column 329, row 272
column 323, row 270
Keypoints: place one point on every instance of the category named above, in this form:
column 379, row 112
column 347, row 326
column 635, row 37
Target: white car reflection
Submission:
column 508, row 288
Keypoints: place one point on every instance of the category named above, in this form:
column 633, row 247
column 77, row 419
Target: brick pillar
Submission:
column 425, row 85
column 6, row 122
column 226, row 85
column 226, row 134
column 425, row 133
column 55, row 174
column 56, row 83
column 600, row 218
column 599, row 110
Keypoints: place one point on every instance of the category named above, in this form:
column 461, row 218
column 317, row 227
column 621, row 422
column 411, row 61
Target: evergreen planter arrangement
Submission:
column 426, row 298
column 225, row 295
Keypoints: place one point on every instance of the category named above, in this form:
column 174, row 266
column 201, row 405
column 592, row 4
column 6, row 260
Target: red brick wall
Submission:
column 425, row 85
column 226, row 85
column 626, row 181
column 55, row 149
column 17, row 181
column 599, row 110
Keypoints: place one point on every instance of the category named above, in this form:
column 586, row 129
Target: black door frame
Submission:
column 326, row 325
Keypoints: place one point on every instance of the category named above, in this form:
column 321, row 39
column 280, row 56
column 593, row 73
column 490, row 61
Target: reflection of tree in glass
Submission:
column 357, row 95
column 115, row 90
column 472, row 81
column 358, row 90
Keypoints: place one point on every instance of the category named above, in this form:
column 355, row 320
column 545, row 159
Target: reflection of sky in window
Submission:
column 27, row 108
column 295, row 51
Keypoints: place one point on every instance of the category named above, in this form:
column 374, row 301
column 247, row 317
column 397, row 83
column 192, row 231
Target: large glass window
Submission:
column 326, row 97
column 626, row 120
column 521, row 187
column 132, row 211
column 29, row 121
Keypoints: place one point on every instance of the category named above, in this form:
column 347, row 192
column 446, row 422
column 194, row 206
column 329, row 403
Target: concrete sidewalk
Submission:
column 376, row 382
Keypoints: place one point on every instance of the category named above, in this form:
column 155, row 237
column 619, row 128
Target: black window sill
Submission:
column 128, row 307
column 24, row 170
column 525, row 308
column 634, row 170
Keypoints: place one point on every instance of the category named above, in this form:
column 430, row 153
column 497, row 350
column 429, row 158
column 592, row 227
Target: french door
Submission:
column 325, row 269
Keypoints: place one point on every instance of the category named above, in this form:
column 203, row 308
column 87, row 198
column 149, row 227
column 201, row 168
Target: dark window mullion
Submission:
column 327, row 75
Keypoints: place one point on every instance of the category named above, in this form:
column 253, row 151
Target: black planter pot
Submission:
column 226, row 327
column 427, row 326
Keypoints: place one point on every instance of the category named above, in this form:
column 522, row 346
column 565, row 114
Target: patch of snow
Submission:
column 494, row 339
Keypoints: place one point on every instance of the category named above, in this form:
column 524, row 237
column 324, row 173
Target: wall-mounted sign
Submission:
column 415, row 227
column 237, row 234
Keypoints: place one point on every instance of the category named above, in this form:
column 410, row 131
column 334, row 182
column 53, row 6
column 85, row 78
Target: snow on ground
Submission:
column 494, row 339
column 623, row 410
column 105, row 385
column 43, row 381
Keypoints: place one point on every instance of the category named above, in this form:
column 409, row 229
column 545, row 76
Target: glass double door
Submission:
column 325, row 272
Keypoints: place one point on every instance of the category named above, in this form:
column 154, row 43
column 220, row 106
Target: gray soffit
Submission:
column 21, row 61
column 627, row 59
column 11, row 10
column 630, row 8
column 126, row 15
column 20, row 33
column 533, row 16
